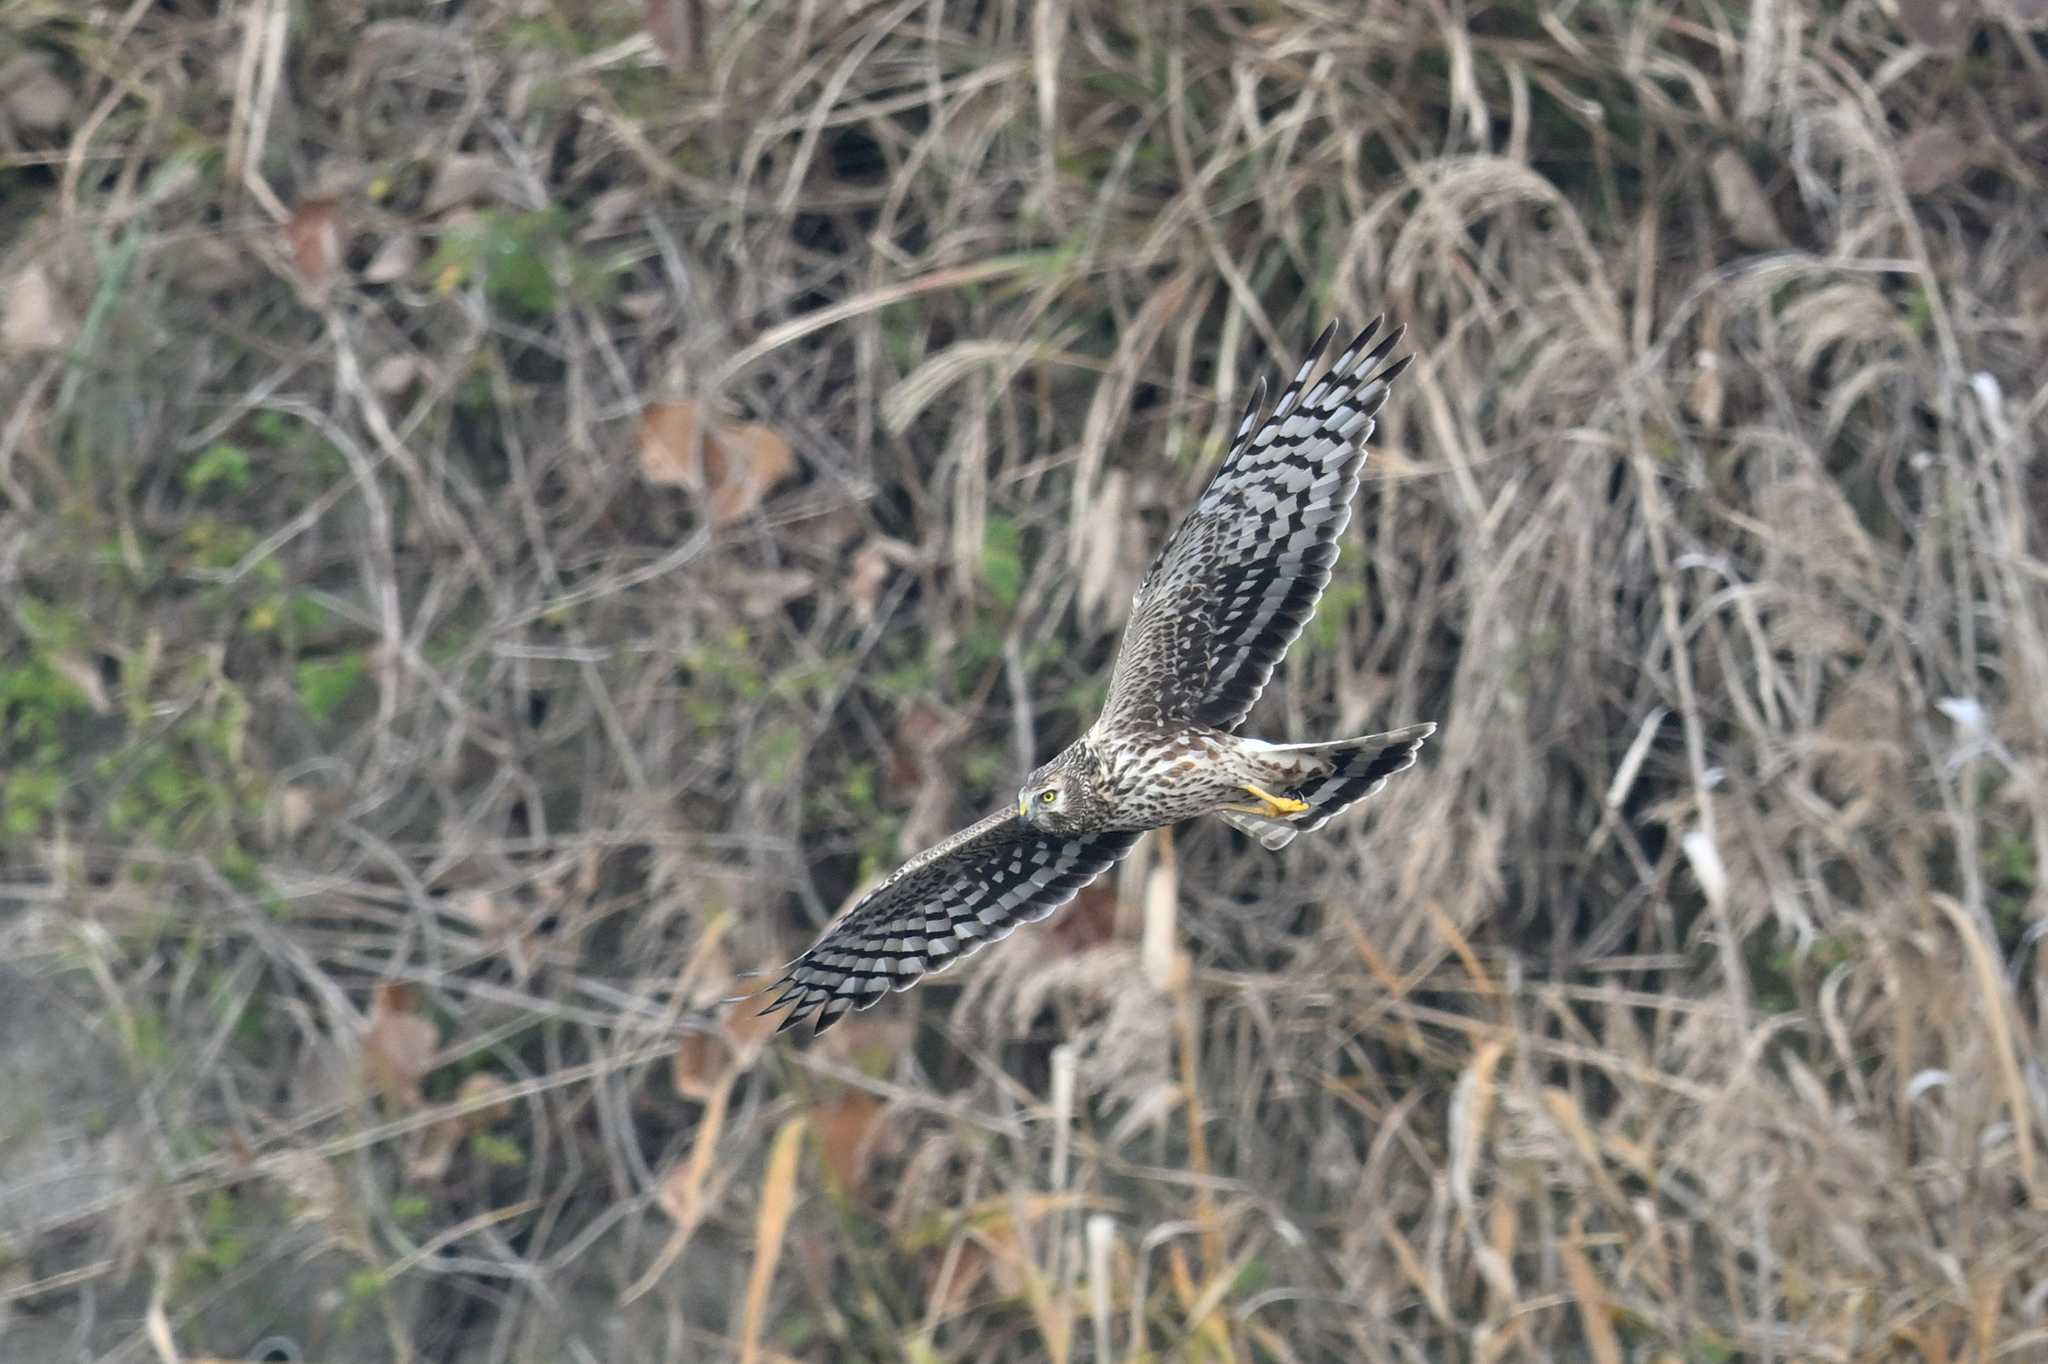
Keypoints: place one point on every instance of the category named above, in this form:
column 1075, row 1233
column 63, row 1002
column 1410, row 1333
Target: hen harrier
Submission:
column 1230, row 590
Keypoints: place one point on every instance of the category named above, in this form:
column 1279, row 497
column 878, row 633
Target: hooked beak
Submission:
column 1024, row 808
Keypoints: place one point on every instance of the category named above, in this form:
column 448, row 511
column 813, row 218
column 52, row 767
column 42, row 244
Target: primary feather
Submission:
column 1236, row 582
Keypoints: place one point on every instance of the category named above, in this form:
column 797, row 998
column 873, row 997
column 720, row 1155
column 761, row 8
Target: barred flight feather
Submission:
column 942, row 905
column 1234, row 585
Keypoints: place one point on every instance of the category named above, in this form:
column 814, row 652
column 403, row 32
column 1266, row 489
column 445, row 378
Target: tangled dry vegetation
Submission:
column 508, row 517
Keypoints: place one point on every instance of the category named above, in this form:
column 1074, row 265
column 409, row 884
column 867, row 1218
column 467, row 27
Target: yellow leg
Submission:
column 1270, row 805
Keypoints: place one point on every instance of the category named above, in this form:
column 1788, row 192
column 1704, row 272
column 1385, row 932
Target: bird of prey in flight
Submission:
column 1231, row 589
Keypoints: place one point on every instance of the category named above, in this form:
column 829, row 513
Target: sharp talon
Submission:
column 1273, row 807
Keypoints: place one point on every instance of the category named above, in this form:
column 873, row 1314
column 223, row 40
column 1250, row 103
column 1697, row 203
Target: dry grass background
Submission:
column 510, row 512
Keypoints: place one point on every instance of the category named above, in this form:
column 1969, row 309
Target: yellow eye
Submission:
column 1048, row 796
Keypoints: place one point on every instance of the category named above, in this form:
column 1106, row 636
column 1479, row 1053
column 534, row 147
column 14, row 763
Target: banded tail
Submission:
column 1360, row 768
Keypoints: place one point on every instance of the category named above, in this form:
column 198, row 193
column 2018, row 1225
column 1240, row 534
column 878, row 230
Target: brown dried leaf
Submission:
column 36, row 99
column 315, row 233
column 871, row 568
column 677, row 27
column 671, row 443
column 731, row 467
column 35, row 317
column 1932, row 156
column 700, row 1066
column 844, row 1122
column 1742, row 202
column 398, row 1046
column 743, row 465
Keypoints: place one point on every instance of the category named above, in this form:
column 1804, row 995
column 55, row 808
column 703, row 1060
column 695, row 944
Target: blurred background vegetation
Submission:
column 511, row 513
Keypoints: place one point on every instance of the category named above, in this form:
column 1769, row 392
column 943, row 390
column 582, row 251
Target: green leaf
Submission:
column 324, row 683
column 512, row 254
column 1002, row 561
column 496, row 1150
column 31, row 794
column 219, row 463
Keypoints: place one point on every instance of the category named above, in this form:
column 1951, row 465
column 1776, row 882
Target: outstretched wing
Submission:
column 1233, row 586
column 938, row 907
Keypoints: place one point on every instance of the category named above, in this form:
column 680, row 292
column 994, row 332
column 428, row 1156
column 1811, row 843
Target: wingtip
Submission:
column 1253, row 409
column 1379, row 352
column 786, row 991
column 1316, row 351
column 807, row 1007
column 1365, row 335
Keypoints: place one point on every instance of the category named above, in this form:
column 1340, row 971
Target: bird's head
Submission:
column 1060, row 799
